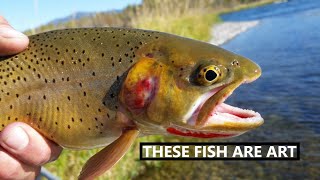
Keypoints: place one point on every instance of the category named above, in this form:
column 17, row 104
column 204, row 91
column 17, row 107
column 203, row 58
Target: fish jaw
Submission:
column 215, row 119
column 212, row 118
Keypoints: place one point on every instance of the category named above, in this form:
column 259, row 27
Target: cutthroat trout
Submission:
column 93, row 87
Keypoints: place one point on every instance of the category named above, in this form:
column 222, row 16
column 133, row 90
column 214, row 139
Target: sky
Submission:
column 27, row 14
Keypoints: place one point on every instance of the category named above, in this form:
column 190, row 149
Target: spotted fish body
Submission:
column 86, row 88
column 60, row 84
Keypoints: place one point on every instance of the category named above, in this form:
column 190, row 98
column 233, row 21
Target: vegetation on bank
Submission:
column 188, row 18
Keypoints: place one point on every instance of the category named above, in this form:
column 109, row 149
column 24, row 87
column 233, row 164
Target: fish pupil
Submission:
column 210, row 75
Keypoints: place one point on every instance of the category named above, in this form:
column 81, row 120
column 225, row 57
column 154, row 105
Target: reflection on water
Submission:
column 286, row 46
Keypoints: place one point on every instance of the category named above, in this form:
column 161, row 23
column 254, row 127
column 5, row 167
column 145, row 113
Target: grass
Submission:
column 247, row 6
column 196, row 27
column 69, row 164
column 187, row 19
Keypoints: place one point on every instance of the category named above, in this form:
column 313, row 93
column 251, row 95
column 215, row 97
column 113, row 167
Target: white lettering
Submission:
column 147, row 148
column 272, row 152
column 291, row 150
column 159, row 152
column 185, row 151
column 237, row 152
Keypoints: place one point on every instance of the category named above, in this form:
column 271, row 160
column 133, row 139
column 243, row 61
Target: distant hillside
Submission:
column 73, row 16
column 84, row 19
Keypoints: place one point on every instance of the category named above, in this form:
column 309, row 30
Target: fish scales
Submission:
column 85, row 88
column 57, row 85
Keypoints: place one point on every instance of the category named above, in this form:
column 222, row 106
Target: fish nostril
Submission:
column 253, row 73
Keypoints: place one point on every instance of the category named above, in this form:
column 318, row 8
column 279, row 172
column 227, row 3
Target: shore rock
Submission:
column 225, row 31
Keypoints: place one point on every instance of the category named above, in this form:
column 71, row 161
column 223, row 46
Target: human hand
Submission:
column 11, row 41
column 22, row 149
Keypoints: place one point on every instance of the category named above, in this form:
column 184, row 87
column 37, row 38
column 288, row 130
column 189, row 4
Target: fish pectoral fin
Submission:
column 108, row 156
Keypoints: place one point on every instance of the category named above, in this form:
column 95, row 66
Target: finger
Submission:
column 11, row 41
column 27, row 145
column 10, row 168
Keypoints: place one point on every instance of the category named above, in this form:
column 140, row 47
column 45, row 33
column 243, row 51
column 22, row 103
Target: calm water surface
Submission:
column 286, row 45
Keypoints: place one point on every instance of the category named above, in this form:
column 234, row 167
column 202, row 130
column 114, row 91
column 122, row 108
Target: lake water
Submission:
column 286, row 44
column 287, row 47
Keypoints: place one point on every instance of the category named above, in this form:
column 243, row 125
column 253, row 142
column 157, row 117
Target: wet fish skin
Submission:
column 66, row 83
column 60, row 83
column 89, row 87
column 169, row 65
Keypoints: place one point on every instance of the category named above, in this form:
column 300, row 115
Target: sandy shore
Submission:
column 225, row 31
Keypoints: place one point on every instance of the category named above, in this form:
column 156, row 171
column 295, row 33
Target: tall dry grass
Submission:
column 182, row 17
column 191, row 18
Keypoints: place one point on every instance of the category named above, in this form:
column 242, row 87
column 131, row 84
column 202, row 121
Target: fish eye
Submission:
column 208, row 75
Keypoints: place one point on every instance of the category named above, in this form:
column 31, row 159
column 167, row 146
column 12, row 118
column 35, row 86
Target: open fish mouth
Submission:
column 212, row 118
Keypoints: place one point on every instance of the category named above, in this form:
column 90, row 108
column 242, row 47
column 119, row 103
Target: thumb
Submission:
column 11, row 41
column 27, row 145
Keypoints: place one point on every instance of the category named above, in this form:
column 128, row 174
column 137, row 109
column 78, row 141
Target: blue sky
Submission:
column 26, row 14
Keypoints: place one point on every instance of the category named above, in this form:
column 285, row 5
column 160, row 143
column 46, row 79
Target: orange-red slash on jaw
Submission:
column 197, row 134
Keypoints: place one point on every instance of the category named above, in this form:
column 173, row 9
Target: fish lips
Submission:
column 215, row 119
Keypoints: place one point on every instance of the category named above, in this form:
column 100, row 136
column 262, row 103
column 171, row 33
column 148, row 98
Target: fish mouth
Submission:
column 212, row 118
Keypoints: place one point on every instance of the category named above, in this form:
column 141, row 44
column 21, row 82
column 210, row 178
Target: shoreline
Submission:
column 226, row 31
column 223, row 32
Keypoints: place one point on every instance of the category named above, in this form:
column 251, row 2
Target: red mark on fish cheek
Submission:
column 143, row 92
column 141, row 95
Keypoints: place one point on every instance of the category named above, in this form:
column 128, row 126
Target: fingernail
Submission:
column 16, row 138
column 11, row 33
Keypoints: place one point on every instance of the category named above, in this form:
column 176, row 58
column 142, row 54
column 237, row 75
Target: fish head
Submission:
column 178, row 86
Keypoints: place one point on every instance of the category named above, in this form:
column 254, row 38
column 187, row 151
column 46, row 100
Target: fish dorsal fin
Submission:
column 108, row 156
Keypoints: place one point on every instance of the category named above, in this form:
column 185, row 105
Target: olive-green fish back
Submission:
column 65, row 83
